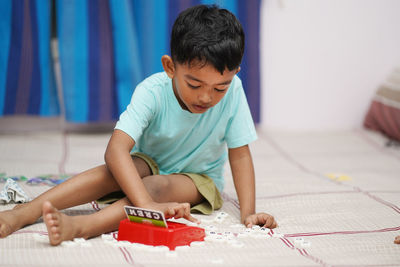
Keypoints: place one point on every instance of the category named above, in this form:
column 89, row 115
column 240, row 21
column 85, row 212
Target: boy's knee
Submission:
column 157, row 186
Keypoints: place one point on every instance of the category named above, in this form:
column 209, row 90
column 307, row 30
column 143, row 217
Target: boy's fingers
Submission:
column 250, row 221
column 261, row 219
column 169, row 213
column 192, row 219
column 187, row 215
column 181, row 210
column 269, row 221
column 177, row 212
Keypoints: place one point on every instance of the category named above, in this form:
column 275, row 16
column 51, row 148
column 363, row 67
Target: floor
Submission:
column 335, row 195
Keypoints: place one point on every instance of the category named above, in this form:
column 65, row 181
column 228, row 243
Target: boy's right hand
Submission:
column 174, row 210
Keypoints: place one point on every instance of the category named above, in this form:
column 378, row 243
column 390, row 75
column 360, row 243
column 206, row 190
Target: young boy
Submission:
column 168, row 149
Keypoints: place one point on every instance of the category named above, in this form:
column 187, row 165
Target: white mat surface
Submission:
column 349, row 219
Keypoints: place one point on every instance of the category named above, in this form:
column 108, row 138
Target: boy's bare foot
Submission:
column 397, row 240
column 59, row 226
column 10, row 221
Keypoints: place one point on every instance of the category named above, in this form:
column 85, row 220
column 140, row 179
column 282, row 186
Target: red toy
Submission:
column 176, row 234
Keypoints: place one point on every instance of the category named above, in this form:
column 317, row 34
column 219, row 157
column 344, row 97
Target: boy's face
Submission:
column 198, row 87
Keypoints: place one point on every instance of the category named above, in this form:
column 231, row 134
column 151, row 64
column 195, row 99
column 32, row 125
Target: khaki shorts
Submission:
column 205, row 185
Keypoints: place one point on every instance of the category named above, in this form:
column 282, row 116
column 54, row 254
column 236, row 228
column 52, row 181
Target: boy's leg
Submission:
column 162, row 188
column 172, row 188
column 82, row 188
column 62, row 227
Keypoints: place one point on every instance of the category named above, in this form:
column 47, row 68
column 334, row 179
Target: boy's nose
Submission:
column 205, row 98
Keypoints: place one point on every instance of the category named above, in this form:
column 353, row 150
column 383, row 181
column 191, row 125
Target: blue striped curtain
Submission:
column 27, row 83
column 106, row 48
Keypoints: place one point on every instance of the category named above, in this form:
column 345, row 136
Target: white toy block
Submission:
column 68, row 244
column 161, row 249
column 219, row 219
column 138, row 246
column 123, row 244
column 197, row 244
column 182, row 248
column 278, row 235
column 107, row 237
column 238, row 225
column 171, row 253
column 79, row 240
column 223, row 214
column 210, row 228
column 242, row 235
column 206, row 221
column 248, row 231
column 259, row 235
column 298, row 240
column 306, row 244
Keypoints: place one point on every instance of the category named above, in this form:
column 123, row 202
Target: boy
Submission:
column 178, row 124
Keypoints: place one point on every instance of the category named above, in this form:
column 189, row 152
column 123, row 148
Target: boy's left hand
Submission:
column 261, row 219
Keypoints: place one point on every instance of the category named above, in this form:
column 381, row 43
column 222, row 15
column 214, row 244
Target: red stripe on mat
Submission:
column 386, row 203
column 303, row 252
column 393, row 229
column 95, row 206
column 29, row 232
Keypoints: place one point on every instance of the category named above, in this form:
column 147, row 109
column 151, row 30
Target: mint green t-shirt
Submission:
column 180, row 141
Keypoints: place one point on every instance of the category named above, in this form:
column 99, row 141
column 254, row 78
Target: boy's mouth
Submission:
column 201, row 108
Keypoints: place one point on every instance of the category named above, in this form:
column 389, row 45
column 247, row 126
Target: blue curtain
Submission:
column 106, row 48
column 27, row 83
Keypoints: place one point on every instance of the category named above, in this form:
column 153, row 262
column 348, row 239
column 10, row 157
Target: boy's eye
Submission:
column 220, row 90
column 193, row 86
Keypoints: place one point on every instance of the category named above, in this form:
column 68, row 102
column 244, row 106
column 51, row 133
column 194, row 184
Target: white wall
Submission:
column 322, row 60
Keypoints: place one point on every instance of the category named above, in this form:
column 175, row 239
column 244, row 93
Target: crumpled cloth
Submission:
column 13, row 193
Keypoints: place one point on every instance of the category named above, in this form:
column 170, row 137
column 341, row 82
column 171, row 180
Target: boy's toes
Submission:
column 48, row 208
column 52, row 218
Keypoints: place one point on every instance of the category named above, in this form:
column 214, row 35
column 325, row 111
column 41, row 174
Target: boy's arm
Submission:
column 244, row 179
column 120, row 164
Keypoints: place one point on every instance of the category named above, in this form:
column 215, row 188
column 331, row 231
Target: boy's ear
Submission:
column 168, row 65
column 237, row 70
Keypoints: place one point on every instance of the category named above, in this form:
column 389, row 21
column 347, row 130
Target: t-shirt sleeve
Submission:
column 138, row 113
column 240, row 129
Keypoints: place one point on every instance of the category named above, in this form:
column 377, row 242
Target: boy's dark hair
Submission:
column 208, row 34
